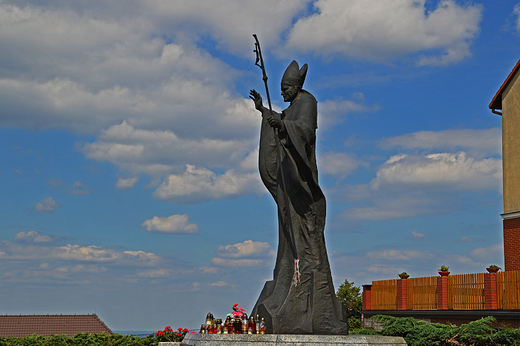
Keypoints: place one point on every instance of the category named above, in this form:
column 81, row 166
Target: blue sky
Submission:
column 129, row 183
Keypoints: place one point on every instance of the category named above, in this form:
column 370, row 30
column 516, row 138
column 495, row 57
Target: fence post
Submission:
column 490, row 291
column 367, row 297
column 442, row 292
column 402, row 293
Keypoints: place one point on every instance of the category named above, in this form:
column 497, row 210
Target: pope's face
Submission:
column 289, row 92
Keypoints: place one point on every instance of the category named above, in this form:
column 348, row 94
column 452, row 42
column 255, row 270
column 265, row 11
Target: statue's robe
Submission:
column 310, row 306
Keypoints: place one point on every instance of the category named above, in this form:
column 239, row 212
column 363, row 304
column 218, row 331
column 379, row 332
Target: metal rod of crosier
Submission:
column 290, row 233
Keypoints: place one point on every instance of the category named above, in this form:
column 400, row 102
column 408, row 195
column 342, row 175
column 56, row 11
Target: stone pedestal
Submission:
column 290, row 340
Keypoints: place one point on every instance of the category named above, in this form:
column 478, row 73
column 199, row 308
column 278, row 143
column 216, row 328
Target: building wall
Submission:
column 511, row 145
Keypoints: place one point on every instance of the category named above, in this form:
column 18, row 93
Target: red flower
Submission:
column 179, row 329
column 185, row 330
column 235, row 305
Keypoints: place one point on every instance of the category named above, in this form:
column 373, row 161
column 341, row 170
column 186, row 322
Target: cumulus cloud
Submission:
column 402, row 255
column 516, row 11
column 248, row 248
column 453, row 170
column 197, row 184
column 384, row 30
column 47, row 205
column 244, row 262
column 471, row 239
column 401, row 204
column 222, row 284
column 69, row 252
column 493, row 253
column 94, row 253
column 486, row 140
column 340, row 164
column 161, row 152
column 126, row 183
column 153, row 100
column 88, row 269
column 419, row 182
column 335, row 111
column 155, row 273
column 171, row 224
column 104, row 70
column 408, row 185
column 77, row 188
column 417, row 235
column 247, row 254
column 33, row 236
column 209, row 270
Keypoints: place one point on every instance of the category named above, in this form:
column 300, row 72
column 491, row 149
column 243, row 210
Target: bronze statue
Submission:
column 300, row 299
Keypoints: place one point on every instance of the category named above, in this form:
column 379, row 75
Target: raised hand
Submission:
column 255, row 96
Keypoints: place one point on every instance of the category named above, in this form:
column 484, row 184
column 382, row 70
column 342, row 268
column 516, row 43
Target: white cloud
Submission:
column 88, row 269
column 516, row 11
column 222, row 284
column 384, row 269
column 403, row 204
column 69, row 252
column 456, row 171
column 422, row 183
column 383, row 30
column 250, row 163
column 247, row 254
column 172, row 224
column 248, row 248
column 33, row 236
column 231, row 22
column 209, row 270
column 340, row 164
column 197, row 184
column 335, row 111
column 160, row 152
column 78, row 188
column 126, row 183
column 404, row 255
column 244, row 262
column 417, row 235
column 470, row 240
column 487, row 140
column 94, row 253
column 155, row 273
column 47, row 205
column 493, row 254
column 409, row 185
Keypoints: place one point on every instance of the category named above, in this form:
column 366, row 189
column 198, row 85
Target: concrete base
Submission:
column 290, row 340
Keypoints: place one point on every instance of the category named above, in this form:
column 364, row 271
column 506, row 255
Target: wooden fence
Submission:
column 421, row 293
column 384, row 295
column 466, row 292
column 508, row 290
column 476, row 291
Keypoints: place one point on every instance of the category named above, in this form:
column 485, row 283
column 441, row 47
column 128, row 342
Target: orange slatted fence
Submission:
column 508, row 290
column 422, row 293
column 466, row 292
column 384, row 295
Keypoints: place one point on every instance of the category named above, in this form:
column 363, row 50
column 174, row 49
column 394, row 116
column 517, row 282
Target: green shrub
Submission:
column 420, row 333
column 82, row 339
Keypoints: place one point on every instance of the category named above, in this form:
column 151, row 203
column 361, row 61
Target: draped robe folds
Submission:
column 311, row 306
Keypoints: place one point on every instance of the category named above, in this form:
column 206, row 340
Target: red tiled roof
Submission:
column 45, row 325
column 497, row 100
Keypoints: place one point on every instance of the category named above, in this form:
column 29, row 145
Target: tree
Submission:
column 350, row 296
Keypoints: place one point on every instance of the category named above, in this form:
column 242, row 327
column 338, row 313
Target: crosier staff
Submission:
column 260, row 63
